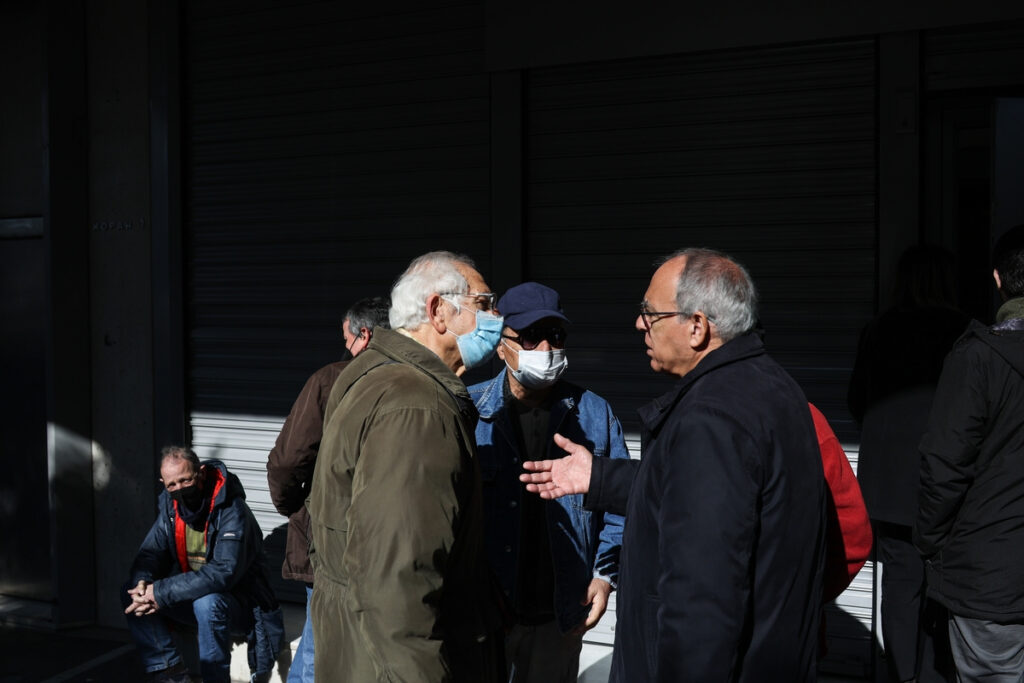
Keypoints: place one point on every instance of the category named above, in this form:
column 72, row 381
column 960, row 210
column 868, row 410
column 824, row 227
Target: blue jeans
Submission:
column 302, row 664
column 218, row 618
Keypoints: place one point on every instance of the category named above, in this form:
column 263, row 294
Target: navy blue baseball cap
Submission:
column 525, row 304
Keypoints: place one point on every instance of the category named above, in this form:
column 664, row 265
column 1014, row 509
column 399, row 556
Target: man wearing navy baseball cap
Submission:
column 556, row 562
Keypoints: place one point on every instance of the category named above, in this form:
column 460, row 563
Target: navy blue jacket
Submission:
column 583, row 544
column 723, row 547
column 234, row 558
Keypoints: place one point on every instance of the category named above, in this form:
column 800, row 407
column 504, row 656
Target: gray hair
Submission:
column 437, row 271
column 179, row 453
column 370, row 312
column 719, row 287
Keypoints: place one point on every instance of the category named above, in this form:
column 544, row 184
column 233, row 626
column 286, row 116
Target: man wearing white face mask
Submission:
column 403, row 592
column 556, row 562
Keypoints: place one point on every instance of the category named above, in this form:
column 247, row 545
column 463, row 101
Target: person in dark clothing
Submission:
column 556, row 562
column 291, row 462
column 970, row 521
column 899, row 359
column 723, row 547
column 202, row 565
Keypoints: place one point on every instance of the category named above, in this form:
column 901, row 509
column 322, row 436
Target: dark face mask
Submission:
column 189, row 497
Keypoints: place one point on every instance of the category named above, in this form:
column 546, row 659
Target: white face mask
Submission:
column 539, row 369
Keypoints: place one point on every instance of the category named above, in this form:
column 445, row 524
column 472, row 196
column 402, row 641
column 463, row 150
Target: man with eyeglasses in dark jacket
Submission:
column 723, row 547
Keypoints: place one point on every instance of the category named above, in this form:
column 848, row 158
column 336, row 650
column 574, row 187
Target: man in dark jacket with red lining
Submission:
column 970, row 522
column 201, row 565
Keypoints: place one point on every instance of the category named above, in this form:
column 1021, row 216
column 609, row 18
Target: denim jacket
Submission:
column 583, row 544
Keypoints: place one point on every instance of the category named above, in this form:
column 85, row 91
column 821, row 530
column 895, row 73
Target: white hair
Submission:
column 437, row 272
column 721, row 288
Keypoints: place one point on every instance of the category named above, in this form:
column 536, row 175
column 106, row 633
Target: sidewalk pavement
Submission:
column 103, row 655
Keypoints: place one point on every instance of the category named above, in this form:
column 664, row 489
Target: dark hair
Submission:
column 179, row 453
column 926, row 278
column 1008, row 259
column 370, row 312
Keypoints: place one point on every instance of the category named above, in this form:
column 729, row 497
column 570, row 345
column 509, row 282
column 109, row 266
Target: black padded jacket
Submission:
column 970, row 523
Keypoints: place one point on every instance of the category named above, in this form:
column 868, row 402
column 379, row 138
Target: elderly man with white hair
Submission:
column 402, row 588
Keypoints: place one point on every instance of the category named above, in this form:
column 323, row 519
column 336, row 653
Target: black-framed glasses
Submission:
column 532, row 336
column 650, row 317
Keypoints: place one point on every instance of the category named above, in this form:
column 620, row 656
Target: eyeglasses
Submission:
column 484, row 300
column 531, row 337
column 650, row 317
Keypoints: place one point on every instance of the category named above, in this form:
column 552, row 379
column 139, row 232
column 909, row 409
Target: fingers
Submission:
column 539, row 466
column 547, row 491
column 564, row 443
column 140, row 608
column 597, row 609
column 142, row 604
column 535, row 477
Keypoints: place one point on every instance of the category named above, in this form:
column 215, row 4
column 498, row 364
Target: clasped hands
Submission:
column 143, row 601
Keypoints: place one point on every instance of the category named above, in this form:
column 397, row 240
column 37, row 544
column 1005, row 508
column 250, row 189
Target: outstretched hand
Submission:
column 562, row 477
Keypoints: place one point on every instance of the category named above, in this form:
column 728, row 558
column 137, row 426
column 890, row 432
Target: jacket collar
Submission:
column 1011, row 313
column 1005, row 338
column 403, row 349
column 492, row 398
column 745, row 346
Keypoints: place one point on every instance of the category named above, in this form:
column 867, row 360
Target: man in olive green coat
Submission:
column 402, row 590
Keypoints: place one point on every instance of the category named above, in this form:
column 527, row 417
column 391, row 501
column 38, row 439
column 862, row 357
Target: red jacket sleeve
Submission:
column 848, row 534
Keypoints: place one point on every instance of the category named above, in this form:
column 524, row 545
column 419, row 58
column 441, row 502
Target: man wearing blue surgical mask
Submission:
column 403, row 591
column 556, row 562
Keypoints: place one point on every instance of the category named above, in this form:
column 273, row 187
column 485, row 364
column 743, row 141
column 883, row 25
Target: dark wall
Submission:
column 24, row 516
column 21, row 132
column 542, row 32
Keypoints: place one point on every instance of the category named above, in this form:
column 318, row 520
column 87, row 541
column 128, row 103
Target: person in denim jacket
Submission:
column 556, row 562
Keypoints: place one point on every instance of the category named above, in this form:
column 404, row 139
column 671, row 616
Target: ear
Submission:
column 999, row 282
column 700, row 331
column 501, row 349
column 437, row 313
column 365, row 333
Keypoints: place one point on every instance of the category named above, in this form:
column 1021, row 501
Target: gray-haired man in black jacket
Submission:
column 722, row 553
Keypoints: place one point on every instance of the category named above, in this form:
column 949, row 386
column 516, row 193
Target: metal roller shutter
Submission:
column 326, row 145
column 768, row 154
column 980, row 56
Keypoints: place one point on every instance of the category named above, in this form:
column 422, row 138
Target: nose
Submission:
column 639, row 324
column 544, row 345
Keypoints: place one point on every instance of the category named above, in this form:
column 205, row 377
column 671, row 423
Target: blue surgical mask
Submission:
column 477, row 345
